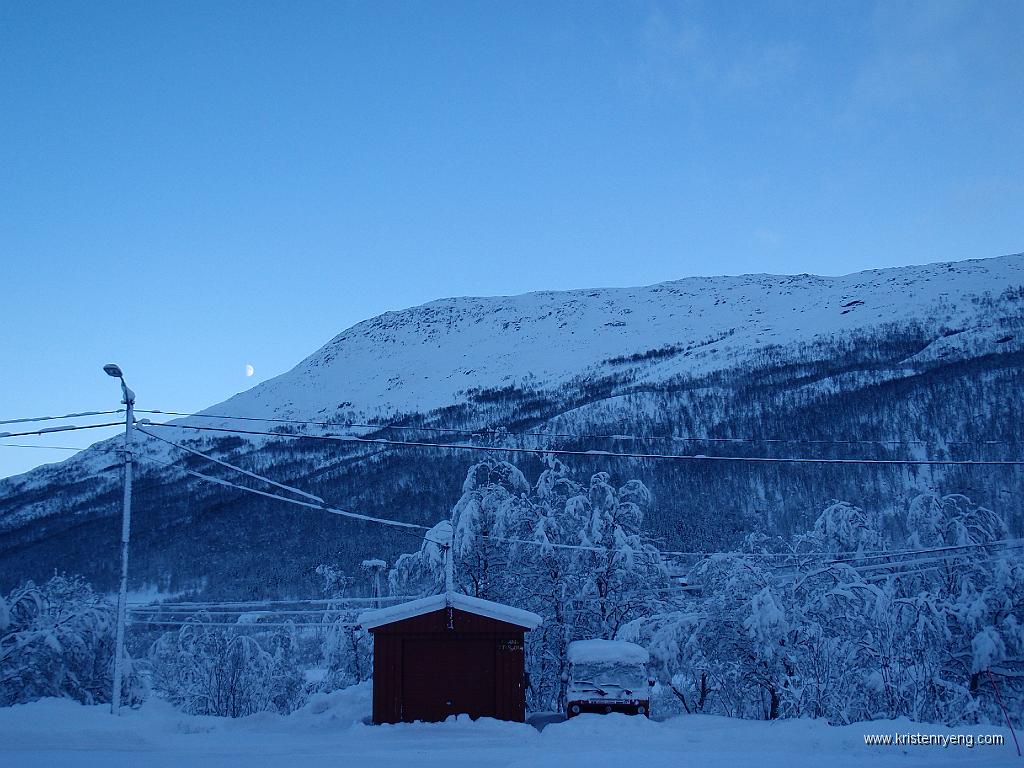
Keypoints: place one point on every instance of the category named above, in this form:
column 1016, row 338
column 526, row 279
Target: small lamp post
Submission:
column 128, row 398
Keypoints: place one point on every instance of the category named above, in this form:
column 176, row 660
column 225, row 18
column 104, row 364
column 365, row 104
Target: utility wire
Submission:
column 321, row 507
column 48, row 447
column 914, row 572
column 871, row 554
column 929, row 550
column 568, row 435
column 246, row 472
column 852, row 556
column 48, row 430
column 190, row 621
column 242, row 612
column 255, row 603
column 594, row 453
column 534, row 542
column 753, row 555
column 324, row 507
column 402, row 527
column 261, row 610
column 666, row 592
column 865, row 571
column 927, row 560
column 913, row 562
column 65, row 416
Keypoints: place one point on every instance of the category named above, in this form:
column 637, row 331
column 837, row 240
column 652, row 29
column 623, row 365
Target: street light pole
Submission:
column 128, row 398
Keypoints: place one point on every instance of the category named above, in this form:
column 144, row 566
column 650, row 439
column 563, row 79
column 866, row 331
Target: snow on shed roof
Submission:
column 603, row 651
column 497, row 611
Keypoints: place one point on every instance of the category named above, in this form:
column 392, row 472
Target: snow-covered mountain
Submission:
column 431, row 356
column 927, row 353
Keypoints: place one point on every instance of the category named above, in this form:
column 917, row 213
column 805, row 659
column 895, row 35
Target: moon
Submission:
column 249, row 370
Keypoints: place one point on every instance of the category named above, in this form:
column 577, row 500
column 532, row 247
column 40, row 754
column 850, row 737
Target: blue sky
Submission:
column 186, row 188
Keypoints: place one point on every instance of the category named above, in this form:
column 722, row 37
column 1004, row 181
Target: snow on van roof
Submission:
column 604, row 651
column 496, row 611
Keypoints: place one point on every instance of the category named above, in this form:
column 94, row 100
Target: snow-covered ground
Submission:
column 328, row 731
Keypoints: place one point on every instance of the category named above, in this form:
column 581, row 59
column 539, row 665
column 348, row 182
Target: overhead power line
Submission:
column 246, row 472
column 322, row 506
column 1008, row 543
column 554, row 545
column 65, row 416
column 48, row 447
column 243, row 625
column 925, row 569
column 326, row 508
column 243, row 611
column 930, row 550
column 254, row 604
column 49, row 430
column 914, row 562
column 596, row 453
column 569, row 435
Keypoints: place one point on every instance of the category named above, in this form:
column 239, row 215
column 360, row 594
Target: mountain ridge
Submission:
column 901, row 353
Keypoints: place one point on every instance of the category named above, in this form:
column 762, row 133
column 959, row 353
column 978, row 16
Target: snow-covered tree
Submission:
column 422, row 571
column 347, row 655
column 845, row 623
column 494, row 507
column 346, row 650
column 57, row 639
column 205, row 670
column 614, row 573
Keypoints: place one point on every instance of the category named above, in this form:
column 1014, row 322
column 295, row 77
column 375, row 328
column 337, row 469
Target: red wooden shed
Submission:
column 448, row 654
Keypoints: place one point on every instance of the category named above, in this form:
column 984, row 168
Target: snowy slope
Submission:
column 427, row 357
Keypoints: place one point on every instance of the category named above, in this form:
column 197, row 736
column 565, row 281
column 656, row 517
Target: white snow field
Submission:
column 329, row 732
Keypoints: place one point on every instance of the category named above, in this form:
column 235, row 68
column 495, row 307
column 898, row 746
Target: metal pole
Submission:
column 446, row 534
column 126, row 525
column 448, row 569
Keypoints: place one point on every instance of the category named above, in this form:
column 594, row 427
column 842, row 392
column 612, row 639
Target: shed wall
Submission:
column 446, row 662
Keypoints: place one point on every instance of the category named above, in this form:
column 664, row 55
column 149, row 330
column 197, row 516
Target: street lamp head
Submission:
column 113, row 370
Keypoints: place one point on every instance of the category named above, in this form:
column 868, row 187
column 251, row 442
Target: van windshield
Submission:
column 609, row 674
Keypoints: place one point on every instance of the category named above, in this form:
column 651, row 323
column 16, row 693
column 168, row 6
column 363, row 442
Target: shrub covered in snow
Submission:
column 207, row 671
column 57, row 639
column 824, row 626
column 348, row 657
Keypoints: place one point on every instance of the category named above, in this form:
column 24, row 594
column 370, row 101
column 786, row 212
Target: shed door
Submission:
column 447, row 676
